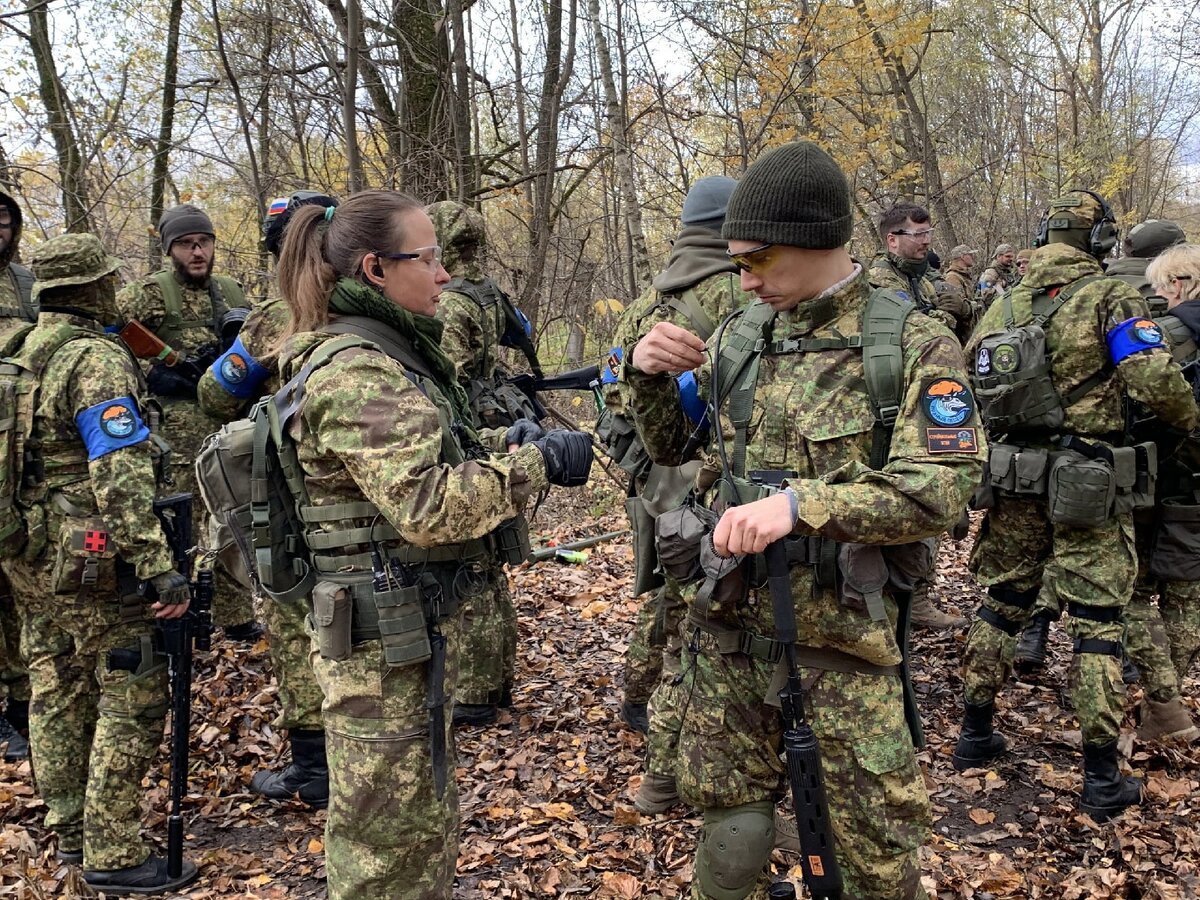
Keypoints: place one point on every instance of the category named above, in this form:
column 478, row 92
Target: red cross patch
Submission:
column 95, row 541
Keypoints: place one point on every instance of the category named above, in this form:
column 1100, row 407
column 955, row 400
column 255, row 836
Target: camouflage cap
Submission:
column 70, row 259
column 963, row 250
column 1150, row 238
column 462, row 235
column 1024, row 253
column 1001, row 249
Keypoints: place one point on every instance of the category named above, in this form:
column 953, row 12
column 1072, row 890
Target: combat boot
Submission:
column 636, row 716
column 246, row 633
column 787, row 833
column 1166, row 723
column 475, row 714
column 1030, row 656
column 16, row 748
column 978, row 744
column 923, row 614
column 1129, row 671
column 1106, row 792
column 307, row 776
column 656, row 794
column 149, row 878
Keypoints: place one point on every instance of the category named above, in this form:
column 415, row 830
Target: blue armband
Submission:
column 612, row 366
column 689, row 397
column 238, row 372
column 1132, row 336
column 111, row 425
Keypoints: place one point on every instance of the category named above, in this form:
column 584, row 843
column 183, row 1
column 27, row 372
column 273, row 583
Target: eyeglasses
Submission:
column 756, row 259
column 925, row 234
column 432, row 260
column 204, row 243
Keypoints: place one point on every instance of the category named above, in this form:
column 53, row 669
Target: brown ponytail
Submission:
column 317, row 252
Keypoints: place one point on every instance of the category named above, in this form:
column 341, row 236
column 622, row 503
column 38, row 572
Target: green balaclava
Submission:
column 462, row 236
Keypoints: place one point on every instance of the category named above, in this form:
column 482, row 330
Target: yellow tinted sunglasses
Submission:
column 756, row 260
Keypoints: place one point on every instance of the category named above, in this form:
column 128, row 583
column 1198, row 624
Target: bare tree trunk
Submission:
column 349, row 120
column 76, row 207
column 622, row 158
column 166, row 125
column 466, row 178
column 425, row 113
column 244, row 121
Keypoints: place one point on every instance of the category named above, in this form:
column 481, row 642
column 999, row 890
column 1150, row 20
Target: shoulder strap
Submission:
column 23, row 278
column 460, row 285
column 172, row 305
column 735, row 374
column 687, row 304
column 225, row 292
column 1182, row 340
column 883, row 366
column 1045, row 306
column 389, row 341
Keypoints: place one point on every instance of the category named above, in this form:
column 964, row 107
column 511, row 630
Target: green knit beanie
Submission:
column 794, row 195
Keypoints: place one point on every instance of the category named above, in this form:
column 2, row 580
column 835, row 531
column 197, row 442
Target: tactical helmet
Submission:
column 462, row 235
column 1080, row 219
column 70, row 259
column 1148, row 239
column 279, row 213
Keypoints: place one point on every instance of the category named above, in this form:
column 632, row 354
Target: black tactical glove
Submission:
column 178, row 380
column 568, row 457
column 171, row 588
column 522, row 432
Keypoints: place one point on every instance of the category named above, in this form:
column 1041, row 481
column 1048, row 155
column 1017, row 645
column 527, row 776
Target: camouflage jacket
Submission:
column 259, row 337
column 885, row 274
column 994, row 281
column 185, row 424
column 92, row 385
column 1076, row 344
column 471, row 337
column 812, row 414
column 366, row 431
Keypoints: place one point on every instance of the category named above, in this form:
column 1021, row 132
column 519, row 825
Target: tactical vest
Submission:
column 223, row 292
column 21, row 279
column 1011, row 370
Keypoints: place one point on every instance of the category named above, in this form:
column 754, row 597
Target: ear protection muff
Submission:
column 1104, row 232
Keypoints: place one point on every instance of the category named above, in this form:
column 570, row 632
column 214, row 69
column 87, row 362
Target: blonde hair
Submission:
column 318, row 250
column 1182, row 259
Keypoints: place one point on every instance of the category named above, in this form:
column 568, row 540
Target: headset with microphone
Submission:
column 1104, row 232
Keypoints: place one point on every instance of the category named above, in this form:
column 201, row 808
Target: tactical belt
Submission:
column 1095, row 645
column 366, row 625
column 739, row 640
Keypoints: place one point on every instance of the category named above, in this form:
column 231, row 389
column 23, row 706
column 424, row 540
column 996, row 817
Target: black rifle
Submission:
column 174, row 639
column 585, row 379
column 817, row 861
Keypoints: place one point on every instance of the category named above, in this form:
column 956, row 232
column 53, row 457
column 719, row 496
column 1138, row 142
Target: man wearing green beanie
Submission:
column 854, row 479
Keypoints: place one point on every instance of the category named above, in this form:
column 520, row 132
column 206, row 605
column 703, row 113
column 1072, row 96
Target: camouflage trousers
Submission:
column 93, row 733
column 729, row 755
column 654, row 628
column 14, row 679
column 662, row 739
column 488, row 646
column 1090, row 571
column 387, row 833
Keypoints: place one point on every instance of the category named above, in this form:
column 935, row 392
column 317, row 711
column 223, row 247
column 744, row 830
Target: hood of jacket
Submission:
column 698, row 253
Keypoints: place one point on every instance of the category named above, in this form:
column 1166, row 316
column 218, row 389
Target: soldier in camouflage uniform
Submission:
column 185, row 307
column 94, row 732
column 1102, row 353
column 248, row 370
column 959, row 279
column 698, row 289
column 16, row 309
column 999, row 276
column 787, row 223
column 471, row 333
column 402, row 500
column 903, row 264
column 1021, row 265
column 1145, row 241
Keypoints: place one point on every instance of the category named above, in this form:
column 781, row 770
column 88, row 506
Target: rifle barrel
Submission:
column 581, row 544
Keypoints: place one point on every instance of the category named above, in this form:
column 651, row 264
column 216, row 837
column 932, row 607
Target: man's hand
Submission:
column 668, row 348
column 173, row 595
column 753, row 526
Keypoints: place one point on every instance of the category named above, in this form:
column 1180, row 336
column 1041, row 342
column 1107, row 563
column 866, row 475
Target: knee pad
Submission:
column 736, row 845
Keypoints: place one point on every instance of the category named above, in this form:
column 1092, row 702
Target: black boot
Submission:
column 475, row 714
column 1106, row 792
column 245, row 633
column 1030, row 657
column 977, row 743
column 636, row 716
column 149, row 878
column 306, row 777
column 1129, row 671
column 15, row 747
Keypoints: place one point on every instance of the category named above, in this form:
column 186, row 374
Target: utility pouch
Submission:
column 864, row 576
column 1001, row 469
column 677, row 536
column 645, row 556
column 1012, row 384
column 38, row 540
column 332, row 617
column 1136, row 470
column 1029, row 472
column 512, row 541
column 402, row 629
column 1082, row 491
column 725, row 583
column 86, row 556
column 1176, row 553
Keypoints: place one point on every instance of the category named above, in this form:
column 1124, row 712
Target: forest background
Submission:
column 577, row 126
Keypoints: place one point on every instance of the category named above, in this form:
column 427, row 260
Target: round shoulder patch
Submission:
column 1147, row 331
column 234, row 368
column 947, row 402
column 117, row 420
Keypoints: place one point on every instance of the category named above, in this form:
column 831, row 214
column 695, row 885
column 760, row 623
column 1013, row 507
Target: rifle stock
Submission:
column 145, row 344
